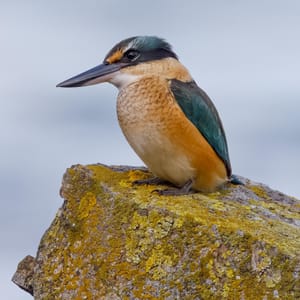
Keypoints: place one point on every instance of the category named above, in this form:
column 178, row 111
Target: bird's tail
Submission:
column 235, row 180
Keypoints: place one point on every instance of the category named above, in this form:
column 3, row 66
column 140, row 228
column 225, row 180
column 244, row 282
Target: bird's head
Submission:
column 130, row 59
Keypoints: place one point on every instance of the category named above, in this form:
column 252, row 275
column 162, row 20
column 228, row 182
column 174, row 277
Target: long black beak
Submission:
column 101, row 73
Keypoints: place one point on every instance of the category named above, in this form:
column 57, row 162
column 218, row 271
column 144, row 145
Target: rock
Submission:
column 24, row 274
column 115, row 240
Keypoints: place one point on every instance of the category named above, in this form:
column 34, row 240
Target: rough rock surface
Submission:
column 115, row 240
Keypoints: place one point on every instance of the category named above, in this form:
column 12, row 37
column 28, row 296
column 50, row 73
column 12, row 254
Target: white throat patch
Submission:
column 121, row 80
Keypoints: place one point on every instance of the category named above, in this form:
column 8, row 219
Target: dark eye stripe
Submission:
column 132, row 54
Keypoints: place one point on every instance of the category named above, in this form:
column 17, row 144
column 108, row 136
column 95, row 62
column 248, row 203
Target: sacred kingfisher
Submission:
column 169, row 121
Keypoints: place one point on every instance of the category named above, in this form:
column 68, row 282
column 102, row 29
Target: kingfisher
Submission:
column 168, row 120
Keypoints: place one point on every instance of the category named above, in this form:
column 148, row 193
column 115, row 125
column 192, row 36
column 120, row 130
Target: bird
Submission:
column 168, row 120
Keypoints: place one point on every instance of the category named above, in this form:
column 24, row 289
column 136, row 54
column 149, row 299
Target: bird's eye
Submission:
column 132, row 55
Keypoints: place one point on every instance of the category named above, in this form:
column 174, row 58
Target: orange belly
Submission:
column 168, row 143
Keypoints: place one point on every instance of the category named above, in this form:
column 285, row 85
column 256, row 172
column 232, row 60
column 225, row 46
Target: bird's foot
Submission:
column 150, row 181
column 184, row 190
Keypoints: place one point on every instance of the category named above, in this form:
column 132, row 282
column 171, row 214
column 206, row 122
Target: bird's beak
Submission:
column 101, row 73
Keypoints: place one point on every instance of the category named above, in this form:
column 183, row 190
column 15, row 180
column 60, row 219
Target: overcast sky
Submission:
column 244, row 54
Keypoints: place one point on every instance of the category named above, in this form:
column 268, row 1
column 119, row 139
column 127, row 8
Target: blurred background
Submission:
column 244, row 54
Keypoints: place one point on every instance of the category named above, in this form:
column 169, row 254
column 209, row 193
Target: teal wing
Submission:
column 200, row 110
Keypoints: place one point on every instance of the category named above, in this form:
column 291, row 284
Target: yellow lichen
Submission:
column 118, row 239
column 87, row 203
column 158, row 263
column 259, row 192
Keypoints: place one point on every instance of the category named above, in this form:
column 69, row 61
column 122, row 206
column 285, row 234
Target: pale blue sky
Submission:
column 244, row 54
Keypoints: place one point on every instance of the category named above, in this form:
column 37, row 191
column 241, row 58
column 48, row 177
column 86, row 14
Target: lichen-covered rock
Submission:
column 24, row 274
column 115, row 240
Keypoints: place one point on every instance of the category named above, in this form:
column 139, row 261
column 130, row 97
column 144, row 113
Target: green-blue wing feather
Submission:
column 200, row 110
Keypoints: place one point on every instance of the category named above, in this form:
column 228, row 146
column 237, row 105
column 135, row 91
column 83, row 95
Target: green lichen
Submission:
column 113, row 239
